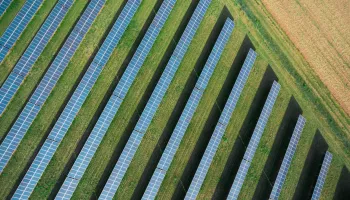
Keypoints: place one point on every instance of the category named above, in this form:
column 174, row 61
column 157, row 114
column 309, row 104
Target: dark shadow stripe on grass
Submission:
column 278, row 150
column 312, row 167
column 155, row 157
column 245, row 133
column 343, row 187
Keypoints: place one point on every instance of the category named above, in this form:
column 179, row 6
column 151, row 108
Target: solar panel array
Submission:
column 254, row 142
column 220, row 128
column 292, row 146
column 35, row 48
column 155, row 99
column 4, row 4
column 41, row 93
column 17, row 26
column 188, row 112
column 73, row 106
column 99, row 130
column 322, row 176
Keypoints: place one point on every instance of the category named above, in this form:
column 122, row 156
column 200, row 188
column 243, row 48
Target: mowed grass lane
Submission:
column 26, row 37
column 22, row 156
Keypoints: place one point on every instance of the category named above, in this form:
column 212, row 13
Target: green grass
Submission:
column 273, row 47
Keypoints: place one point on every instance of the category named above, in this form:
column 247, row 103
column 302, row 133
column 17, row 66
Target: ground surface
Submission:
column 279, row 58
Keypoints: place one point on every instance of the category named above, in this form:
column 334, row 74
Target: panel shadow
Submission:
column 245, row 133
column 278, row 150
column 312, row 167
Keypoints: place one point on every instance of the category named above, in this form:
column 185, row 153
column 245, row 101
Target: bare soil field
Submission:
column 320, row 29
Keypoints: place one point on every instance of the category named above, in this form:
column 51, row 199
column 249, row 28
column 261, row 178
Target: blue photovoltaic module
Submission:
column 43, row 90
column 254, row 142
column 32, row 53
column 17, row 26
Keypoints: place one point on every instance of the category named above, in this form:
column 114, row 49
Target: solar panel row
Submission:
column 322, row 176
column 188, row 112
column 17, row 26
column 41, row 93
column 220, row 128
column 4, row 5
column 135, row 138
column 254, row 142
column 101, row 127
column 73, row 106
column 35, row 48
column 292, row 146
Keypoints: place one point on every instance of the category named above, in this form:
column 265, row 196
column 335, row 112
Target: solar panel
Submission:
column 136, row 136
column 220, row 128
column 4, row 4
column 98, row 132
column 322, row 176
column 282, row 173
column 254, row 142
column 188, row 112
column 41, row 93
column 17, row 26
column 76, row 101
column 35, row 48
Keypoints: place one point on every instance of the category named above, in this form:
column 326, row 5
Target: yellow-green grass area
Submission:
column 26, row 37
column 265, row 35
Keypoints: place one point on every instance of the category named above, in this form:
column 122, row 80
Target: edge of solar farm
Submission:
column 4, row 5
column 291, row 149
column 48, row 82
column 158, row 93
column 17, row 26
column 32, row 53
column 332, row 164
column 254, row 142
column 221, row 126
column 79, row 96
column 189, row 110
